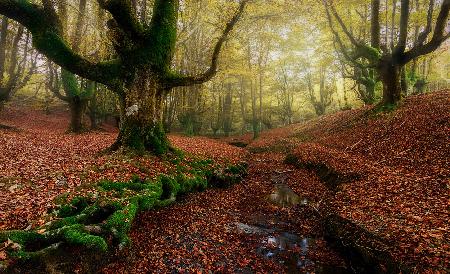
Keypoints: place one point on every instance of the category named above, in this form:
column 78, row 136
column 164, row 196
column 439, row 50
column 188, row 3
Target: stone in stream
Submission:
column 285, row 197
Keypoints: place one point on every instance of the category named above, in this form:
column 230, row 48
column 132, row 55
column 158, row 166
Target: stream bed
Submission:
column 297, row 253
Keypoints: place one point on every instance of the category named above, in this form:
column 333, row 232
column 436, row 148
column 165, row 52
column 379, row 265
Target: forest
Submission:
column 215, row 136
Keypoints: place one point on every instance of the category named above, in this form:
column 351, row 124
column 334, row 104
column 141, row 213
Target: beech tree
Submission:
column 141, row 74
column 20, row 66
column 326, row 91
column 389, row 61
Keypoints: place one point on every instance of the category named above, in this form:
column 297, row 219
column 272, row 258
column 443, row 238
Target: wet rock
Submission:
column 284, row 196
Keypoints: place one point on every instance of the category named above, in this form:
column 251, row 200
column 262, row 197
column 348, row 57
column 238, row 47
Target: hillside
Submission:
column 393, row 171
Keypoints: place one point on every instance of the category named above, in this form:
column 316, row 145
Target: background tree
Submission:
column 17, row 62
column 389, row 62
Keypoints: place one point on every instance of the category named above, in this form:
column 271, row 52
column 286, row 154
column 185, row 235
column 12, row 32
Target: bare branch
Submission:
column 208, row 74
column 438, row 38
column 341, row 23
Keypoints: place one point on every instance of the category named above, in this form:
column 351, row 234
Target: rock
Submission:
column 61, row 181
column 284, row 196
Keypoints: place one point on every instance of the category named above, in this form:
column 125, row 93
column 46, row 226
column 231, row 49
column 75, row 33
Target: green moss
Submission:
column 70, row 83
column 64, row 222
column 20, row 236
column 121, row 220
column 74, row 207
column 120, row 186
column 226, row 177
column 380, row 108
column 76, row 236
column 115, row 217
column 162, row 35
column 236, row 169
column 191, row 184
column 291, row 159
column 142, row 138
column 148, row 201
column 170, row 186
column 61, row 199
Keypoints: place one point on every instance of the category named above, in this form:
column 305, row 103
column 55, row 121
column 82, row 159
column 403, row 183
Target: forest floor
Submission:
column 394, row 169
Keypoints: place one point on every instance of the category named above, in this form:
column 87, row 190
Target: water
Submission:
column 288, row 249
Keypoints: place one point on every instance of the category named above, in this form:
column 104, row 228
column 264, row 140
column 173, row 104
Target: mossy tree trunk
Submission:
column 141, row 125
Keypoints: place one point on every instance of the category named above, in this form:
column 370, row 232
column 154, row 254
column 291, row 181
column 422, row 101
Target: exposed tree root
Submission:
column 102, row 221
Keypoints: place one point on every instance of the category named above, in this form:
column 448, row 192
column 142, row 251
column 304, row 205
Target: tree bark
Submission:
column 77, row 107
column 390, row 76
column 141, row 125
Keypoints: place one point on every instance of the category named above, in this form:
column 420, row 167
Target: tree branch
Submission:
column 375, row 24
column 122, row 12
column 404, row 18
column 176, row 81
column 47, row 39
column 341, row 23
column 423, row 35
column 438, row 38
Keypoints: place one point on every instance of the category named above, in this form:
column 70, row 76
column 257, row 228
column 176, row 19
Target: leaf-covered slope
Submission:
column 399, row 162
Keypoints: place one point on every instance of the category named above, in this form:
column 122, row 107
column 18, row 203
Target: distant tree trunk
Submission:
column 242, row 103
column 404, row 81
column 3, row 40
column 93, row 109
column 254, row 115
column 227, row 111
column 260, row 96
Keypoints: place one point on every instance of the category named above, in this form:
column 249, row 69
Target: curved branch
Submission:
column 423, row 35
column 122, row 12
column 438, row 38
column 341, row 23
column 47, row 39
column 176, row 81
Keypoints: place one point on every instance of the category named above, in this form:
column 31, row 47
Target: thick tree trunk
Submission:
column 76, row 106
column 141, row 127
column 390, row 76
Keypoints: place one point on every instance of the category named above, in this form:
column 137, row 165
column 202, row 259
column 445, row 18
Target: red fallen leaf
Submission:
column 3, row 255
